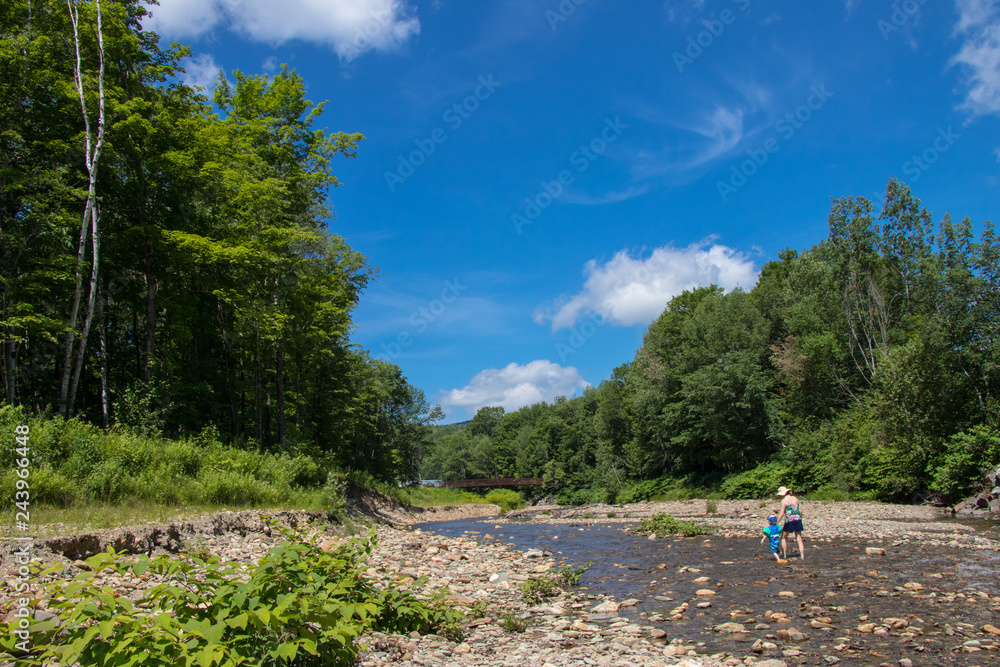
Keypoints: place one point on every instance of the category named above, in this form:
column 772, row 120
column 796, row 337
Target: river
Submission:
column 943, row 596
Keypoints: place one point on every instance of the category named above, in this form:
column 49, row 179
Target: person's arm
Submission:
column 784, row 504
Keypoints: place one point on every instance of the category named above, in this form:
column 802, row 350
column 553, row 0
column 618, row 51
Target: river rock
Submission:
column 772, row 663
column 874, row 551
column 730, row 628
column 609, row 607
column 704, row 592
column 991, row 629
column 792, row 635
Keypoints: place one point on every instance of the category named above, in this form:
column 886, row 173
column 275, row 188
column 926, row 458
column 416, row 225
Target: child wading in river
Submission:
column 772, row 533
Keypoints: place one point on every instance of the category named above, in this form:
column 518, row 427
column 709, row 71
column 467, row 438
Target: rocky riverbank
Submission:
column 693, row 610
column 876, row 522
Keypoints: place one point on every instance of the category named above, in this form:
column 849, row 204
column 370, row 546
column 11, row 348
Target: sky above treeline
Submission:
column 540, row 177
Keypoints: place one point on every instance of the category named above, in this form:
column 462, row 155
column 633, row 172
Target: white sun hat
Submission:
column 783, row 491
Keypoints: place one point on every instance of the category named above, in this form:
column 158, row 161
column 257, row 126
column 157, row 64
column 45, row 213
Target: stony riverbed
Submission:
column 881, row 585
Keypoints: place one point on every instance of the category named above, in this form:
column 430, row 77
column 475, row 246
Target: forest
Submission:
column 167, row 271
column 166, row 262
column 866, row 366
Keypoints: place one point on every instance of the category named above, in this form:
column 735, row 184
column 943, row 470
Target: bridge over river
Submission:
column 500, row 481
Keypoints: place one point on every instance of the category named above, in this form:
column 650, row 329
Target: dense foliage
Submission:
column 867, row 365
column 299, row 605
column 165, row 259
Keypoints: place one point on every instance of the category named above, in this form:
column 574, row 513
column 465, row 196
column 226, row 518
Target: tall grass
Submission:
column 429, row 496
column 75, row 466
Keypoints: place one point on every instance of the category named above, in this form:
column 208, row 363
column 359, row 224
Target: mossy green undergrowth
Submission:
column 300, row 605
column 664, row 524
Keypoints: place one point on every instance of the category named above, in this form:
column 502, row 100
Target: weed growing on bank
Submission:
column 510, row 622
column 299, row 604
column 538, row 589
column 664, row 524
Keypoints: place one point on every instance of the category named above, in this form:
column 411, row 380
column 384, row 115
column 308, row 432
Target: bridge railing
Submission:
column 501, row 481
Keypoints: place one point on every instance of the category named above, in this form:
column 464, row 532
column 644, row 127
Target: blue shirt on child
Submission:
column 773, row 533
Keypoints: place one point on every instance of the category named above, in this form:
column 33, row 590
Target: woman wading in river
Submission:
column 791, row 512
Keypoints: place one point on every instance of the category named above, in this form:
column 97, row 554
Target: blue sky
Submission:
column 540, row 177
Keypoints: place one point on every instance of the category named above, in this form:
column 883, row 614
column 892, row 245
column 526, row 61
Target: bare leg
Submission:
column 802, row 550
column 784, row 547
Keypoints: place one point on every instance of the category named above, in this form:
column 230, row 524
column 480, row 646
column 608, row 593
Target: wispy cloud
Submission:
column 349, row 27
column 683, row 11
column 612, row 197
column 515, row 386
column 979, row 28
column 717, row 135
column 201, row 71
column 629, row 290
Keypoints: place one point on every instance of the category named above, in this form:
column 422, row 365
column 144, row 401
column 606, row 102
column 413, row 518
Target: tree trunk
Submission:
column 88, row 317
column 103, row 352
column 150, row 349
column 227, row 354
column 258, row 430
column 279, row 384
column 10, row 367
column 67, row 391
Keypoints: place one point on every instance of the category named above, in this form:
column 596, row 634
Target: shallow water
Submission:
column 838, row 581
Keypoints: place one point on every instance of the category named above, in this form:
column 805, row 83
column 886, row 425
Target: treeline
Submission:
column 866, row 366
column 165, row 261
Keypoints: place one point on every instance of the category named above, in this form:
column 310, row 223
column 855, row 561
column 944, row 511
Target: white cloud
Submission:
column 350, row 27
column 516, row 386
column 201, row 71
column 183, row 18
column 979, row 26
column 633, row 290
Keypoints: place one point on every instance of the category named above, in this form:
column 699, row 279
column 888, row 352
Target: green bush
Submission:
column 760, row 482
column 507, row 500
column 967, row 457
column 664, row 524
column 299, row 605
column 662, row 488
